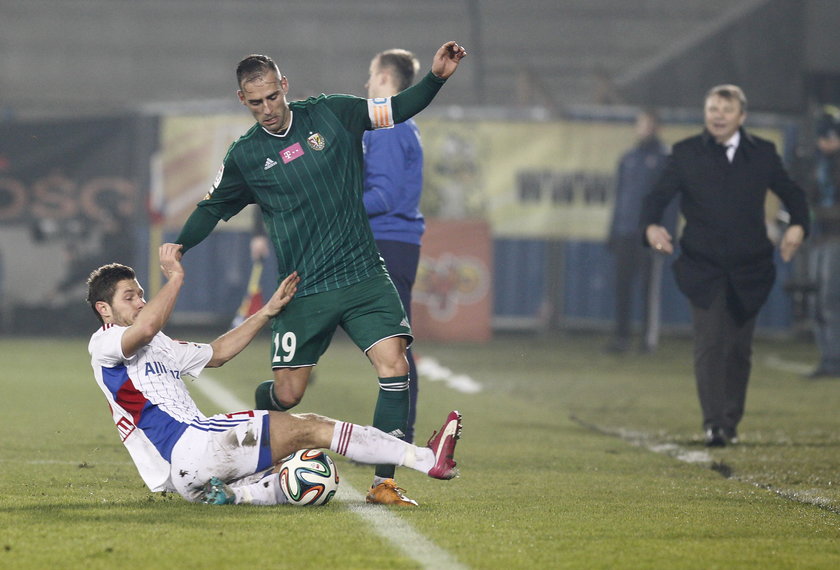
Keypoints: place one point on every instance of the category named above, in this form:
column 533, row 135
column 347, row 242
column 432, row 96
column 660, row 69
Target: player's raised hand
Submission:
column 170, row 259
column 283, row 295
column 447, row 58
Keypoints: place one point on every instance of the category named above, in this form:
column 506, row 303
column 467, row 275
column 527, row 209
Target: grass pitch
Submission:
column 570, row 459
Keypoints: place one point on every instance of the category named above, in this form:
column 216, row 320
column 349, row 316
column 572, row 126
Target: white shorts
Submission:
column 227, row 446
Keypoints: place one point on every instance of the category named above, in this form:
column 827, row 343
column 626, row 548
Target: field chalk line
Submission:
column 390, row 527
column 705, row 460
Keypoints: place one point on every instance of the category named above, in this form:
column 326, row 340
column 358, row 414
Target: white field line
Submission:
column 387, row 525
column 777, row 363
column 429, row 369
column 705, row 460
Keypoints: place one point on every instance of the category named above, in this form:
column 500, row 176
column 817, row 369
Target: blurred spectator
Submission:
column 638, row 170
column 825, row 251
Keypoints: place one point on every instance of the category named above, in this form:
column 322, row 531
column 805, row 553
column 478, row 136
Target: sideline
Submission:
column 777, row 363
column 430, row 369
column 387, row 525
column 705, row 460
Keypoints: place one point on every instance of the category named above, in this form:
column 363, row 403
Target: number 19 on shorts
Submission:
column 284, row 347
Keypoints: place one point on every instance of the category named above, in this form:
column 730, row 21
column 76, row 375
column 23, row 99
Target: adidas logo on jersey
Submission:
column 269, row 163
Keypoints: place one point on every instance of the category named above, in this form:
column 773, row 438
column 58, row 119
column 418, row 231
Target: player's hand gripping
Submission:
column 283, row 295
column 170, row 260
column 447, row 58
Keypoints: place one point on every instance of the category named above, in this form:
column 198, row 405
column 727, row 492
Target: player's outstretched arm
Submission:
column 154, row 315
column 447, row 58
column 411, row 101
column 234, row 341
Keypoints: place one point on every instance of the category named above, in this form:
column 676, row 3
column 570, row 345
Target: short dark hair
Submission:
column 102, row 284
column 403, row 63
column 254, row 67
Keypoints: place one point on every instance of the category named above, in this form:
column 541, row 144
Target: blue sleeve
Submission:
column 384, row 160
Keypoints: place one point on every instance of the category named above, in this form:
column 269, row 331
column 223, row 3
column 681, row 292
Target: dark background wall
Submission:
column 92, row 56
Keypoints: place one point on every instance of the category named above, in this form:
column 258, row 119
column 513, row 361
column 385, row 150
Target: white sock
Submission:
column 367, row 444
column 266, row 491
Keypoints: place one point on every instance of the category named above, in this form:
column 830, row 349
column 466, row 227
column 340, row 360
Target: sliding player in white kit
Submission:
column 226, row 458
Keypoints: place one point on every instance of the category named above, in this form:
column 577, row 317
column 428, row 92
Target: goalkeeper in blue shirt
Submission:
column 393, row 182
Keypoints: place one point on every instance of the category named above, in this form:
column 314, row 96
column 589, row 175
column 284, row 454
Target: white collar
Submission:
column 734, row 140
column 286, row 132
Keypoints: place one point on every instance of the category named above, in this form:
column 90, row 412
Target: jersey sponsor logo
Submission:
column 155, row 368
column 269, row 163
column 316, row 141
column 290, row 153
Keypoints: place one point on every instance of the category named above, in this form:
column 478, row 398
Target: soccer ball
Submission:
column 308, row 477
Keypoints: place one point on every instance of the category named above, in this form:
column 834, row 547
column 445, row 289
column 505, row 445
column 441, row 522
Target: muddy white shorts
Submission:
column 227, row 446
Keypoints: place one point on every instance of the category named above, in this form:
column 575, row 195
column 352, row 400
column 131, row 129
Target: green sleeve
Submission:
column 408, row 103
column 197, row 227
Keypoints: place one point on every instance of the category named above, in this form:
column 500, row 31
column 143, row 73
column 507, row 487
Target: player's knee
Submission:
column 287, row 394
column 287, row 400
column 312, row 430
column 390, row 370
column 290, row 386
column 391, row 365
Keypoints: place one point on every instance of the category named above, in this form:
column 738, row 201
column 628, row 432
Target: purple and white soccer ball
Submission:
column 308, row 477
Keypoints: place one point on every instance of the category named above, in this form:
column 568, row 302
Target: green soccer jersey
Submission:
column 308, row 183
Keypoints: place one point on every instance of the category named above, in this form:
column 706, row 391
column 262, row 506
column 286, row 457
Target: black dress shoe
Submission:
column 731, row 435
column 715, row 437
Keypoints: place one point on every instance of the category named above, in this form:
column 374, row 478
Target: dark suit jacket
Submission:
column 725, row 236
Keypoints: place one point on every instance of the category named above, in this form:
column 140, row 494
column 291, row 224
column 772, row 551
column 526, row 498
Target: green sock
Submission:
column 391, row 414
column 264, row 398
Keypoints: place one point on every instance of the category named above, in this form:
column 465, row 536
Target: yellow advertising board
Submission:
column 551, row 180
column 528, row 179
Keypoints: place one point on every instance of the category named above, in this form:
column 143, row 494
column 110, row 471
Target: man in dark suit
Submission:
column 726, row 267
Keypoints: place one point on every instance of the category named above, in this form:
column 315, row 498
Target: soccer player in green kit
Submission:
column 302, row 164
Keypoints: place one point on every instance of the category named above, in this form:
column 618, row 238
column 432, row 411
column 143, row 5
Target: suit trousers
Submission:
column 825, row 270
column 722, row 360
column 632, row 280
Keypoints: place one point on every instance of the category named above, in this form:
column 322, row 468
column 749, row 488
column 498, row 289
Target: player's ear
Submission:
column 104, row 309
column 241, row 96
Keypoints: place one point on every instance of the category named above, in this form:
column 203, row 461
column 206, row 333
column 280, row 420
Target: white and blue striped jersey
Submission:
column 149, row 401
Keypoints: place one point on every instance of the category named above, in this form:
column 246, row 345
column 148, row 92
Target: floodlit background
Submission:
column 115, row 115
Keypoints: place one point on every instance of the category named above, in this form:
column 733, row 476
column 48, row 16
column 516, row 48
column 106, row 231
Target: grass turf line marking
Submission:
column 705, row 459
column 387, row 525
column 430, row 369
column 777, row 363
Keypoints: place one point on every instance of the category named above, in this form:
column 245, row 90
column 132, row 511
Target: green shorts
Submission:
column 369, row 311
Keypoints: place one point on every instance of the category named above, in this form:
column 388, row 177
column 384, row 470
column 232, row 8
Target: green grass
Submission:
column 547, row 482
